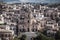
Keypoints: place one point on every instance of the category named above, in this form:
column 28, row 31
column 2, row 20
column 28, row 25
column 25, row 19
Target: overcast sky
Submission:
column 42, row 1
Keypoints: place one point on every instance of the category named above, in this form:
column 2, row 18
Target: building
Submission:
column 6, row 34
column 51, row 27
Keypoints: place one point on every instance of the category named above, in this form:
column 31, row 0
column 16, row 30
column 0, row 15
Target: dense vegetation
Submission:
column 42, row 36
column 23, row 37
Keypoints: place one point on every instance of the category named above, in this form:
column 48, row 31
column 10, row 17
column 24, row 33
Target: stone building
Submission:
column 6, row 34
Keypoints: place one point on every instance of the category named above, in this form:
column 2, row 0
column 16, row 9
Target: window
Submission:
column 28, row 21
column 10, row 28
column 5, row 35
column 33, row 30
column 59, row 15
column 28, row 15
column 9, row 35
column 20, row 30
column 28, row 29
column 1, row 35
column 34, row 15
column 21, row 18
column 24, row 30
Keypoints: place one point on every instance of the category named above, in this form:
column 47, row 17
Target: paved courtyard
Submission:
column 30, row 35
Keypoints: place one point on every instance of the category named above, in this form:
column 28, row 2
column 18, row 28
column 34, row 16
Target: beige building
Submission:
column 51, row 27
column 6, row 34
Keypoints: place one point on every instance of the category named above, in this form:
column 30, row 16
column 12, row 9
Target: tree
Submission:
column 57, row 36
column 43, row 37
column 23, row 37
column 16, row 38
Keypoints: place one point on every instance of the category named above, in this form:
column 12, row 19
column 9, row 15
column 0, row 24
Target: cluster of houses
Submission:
column 21, row 17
